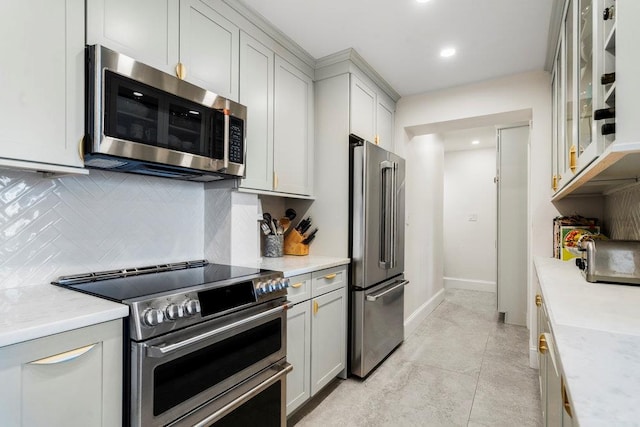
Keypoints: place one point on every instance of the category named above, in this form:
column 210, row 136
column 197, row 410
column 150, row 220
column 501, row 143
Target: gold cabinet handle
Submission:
column 330, row 276
column 565, row 398
column 573, row 158
column 275, row 180
column 64, row 357
column 315, row 307
column 538, row 300
column 297, row 285
column 376, row 139
column 181, row 71
column 81, row 148
column 554, row 182
column 542, row 344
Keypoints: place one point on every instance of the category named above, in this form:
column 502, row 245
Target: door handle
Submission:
column 385, row 292
column 297, row 285
column 315, row 307
column 330, row 276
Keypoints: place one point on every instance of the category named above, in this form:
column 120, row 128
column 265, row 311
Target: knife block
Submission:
column 293, row 244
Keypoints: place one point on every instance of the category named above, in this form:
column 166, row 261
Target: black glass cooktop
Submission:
column 125, row 288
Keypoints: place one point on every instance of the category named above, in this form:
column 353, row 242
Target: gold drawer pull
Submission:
column 64, row 357
column 330, row 276
column 542, row 344
column 565, row 399
column 297, row 285
column 181, row 71
column 315, row 307
column 538, row 300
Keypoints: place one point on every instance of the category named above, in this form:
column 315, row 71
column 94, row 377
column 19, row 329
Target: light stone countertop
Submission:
column 31, row 312
column 291, row 265
column 596, row 327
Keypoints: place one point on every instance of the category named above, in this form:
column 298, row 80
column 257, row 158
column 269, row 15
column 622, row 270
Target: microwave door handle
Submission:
column 226, row 137
column 162, row 350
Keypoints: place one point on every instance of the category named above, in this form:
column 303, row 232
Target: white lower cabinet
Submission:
column 316, row 333
column 68, row 379
column 554, row 397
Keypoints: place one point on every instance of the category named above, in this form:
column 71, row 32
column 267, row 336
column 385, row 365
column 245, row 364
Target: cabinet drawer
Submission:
column 328, row 280
column 299, row 288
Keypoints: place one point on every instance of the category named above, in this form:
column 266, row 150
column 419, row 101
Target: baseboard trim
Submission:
column 470, row 285
column 422, row 312
column 533, row 358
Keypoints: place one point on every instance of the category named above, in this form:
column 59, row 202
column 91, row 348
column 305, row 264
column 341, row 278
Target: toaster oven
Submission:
column 616, row 261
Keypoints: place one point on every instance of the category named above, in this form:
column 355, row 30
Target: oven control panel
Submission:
column 269, row 287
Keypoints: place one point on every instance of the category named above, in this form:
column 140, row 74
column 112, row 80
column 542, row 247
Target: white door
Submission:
column 513, row 151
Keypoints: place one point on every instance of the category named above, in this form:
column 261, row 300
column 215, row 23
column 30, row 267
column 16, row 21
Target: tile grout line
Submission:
column 475, row 391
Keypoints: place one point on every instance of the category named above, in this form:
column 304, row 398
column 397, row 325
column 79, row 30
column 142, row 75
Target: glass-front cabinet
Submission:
column 583, row 88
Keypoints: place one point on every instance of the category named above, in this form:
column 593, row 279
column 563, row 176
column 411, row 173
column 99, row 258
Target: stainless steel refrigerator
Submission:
column 377, row 254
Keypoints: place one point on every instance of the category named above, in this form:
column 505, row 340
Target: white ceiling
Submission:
column 461, row 139
column 402, row 39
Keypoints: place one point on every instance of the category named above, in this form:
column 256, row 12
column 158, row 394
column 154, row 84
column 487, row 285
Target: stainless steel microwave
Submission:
column 141, row 120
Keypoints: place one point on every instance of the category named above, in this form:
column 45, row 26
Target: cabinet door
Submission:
column 256, row 93
column 68, row 379
column 328, row 332
column 299, row 355
column 384, row 123
column 146, row 30
column 209, row 48
column 42, row 70
column 362, row 108
column 553, row 394
column 293, row 131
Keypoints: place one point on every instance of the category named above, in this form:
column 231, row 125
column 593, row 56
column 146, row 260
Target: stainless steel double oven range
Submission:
column 204, row 343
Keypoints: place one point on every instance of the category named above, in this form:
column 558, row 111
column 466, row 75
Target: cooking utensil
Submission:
column 265, row 228
column 290, row 213
column 310, row 237
column 269, row 220
column 285, row 223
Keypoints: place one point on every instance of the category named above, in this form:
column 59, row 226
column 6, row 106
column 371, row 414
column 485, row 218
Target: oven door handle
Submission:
column 164, row 349
column 282, row 370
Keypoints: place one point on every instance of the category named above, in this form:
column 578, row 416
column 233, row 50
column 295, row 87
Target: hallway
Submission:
column 461, row 367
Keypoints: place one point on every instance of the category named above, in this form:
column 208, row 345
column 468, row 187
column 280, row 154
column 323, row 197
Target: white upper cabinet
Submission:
column 371, row 113
column 256, row 93
column 209, row 48
column 42, row 85
column 363, row 110
column 146, row 30
column 293, row 131
column 164, row 34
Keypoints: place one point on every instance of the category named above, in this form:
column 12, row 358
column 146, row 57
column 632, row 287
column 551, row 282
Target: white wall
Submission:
column 499, row 101
column 423, row 236
column 470, row 219
column 102, row 221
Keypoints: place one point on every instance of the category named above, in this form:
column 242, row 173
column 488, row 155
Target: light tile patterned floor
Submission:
column 462, row 367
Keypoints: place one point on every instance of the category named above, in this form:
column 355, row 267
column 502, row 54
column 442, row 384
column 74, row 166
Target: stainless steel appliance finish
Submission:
column 208, row 345
column 377, row 254
column 159, row 157
column 616, row 261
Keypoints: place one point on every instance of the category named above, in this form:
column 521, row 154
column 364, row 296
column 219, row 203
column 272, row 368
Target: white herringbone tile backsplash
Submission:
column 76, row 224
column 622, row 214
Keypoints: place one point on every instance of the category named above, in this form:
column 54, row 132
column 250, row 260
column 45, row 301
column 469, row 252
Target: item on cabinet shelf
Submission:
column 266, row 230
column 291, row 214
column 273, row 245
column 604, row 113
column 141, row 120
column 609, row 13
column 567, row 232
column 269, row 220
column 608, row 78
column 284, row 223
column 608, row 128
column 616, row 261
column 293, row 244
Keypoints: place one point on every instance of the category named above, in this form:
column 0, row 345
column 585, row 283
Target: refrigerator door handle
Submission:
column 386, row 218
column 394, row 215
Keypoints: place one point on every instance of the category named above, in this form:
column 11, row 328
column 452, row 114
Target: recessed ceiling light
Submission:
column 138, row 94
column 475, row 142
column 447, row 52
column 422, row 1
